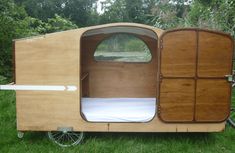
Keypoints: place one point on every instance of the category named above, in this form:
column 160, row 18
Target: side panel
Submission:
column 203, row 58
column 49, row 60
column 178, row 68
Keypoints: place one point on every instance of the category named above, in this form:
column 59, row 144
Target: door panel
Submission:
column 178, row 68
column 214, row 55
column 193, row 86
column 212, row 100
column 178, row 55
column 177, row 96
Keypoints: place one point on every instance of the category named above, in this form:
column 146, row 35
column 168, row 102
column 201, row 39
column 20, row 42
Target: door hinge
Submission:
column 161, row 44
column 159, row 109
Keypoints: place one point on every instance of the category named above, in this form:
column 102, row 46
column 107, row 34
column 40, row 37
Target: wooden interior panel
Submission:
column 119, row 79
column 214, row 55
column 85, row 85
column 178, row 54
column 212, row 100
column 177, row 100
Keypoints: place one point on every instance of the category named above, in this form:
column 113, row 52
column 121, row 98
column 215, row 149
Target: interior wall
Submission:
column 118, row 79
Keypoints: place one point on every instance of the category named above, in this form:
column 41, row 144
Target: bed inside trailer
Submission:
column 119, row 74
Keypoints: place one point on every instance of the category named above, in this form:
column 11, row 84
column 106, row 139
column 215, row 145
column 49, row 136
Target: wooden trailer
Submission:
column 88, row 80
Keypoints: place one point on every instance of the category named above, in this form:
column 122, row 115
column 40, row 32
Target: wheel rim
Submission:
column 66, row 139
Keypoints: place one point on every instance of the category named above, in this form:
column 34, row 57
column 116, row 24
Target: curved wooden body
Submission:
column 186, row 74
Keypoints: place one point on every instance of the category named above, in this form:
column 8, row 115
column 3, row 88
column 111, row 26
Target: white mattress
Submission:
column 118, row 109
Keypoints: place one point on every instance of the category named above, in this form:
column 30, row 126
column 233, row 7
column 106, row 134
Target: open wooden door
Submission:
column 193, row 86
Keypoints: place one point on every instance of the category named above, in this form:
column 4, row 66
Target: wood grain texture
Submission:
column 119, row 79
column 211, row 56
column 177, row 100
column 178, row 54
column 212, row 100
column 214, row 55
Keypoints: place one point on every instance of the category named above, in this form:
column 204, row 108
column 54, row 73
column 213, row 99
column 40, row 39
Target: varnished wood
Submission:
column 178, row 54
column 177, row 100
column 212, row 100
column 215, row 55
column 205, row 57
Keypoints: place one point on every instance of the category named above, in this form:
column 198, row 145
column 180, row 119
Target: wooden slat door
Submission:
column 193, row 65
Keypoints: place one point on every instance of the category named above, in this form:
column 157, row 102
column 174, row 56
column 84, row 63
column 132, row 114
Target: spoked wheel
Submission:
column 66, row 138
column 231, row 118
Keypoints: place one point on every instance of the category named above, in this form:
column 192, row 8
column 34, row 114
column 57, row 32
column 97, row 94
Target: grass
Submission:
column 34, row 142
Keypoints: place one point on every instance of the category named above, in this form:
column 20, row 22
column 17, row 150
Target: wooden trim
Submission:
column 13, row 62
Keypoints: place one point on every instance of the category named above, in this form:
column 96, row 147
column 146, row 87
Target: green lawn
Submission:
column 110, row 142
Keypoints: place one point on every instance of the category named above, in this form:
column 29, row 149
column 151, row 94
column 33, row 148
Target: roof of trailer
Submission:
column 84, row 29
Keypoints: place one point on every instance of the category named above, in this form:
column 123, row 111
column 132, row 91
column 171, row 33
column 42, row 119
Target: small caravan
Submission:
column 122, row 77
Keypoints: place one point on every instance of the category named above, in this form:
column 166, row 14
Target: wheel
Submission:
column 231, row 118
column 66, row 138
column 20, row 134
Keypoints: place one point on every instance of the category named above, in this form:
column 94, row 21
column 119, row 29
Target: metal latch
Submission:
column 229, row 77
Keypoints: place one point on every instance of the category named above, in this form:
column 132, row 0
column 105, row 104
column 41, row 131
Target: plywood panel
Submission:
column 47, row 60
column 178, row 54
column 212, row 100
column 118, row 79
column 177, row 100
column 214, row 55
column 50, row 60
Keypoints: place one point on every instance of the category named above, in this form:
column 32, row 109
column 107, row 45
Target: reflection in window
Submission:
column 123, row 48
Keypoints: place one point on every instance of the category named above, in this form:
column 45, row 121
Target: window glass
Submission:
column 123, row 48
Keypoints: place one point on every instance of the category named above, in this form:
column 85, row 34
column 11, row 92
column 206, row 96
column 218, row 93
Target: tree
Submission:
column 14, row 23
column 127, row 11
column 81, row 12
column 55, row 24
column 168, row 14
column 213, row 14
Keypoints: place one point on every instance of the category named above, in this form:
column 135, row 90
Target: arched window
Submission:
column 123, row 48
